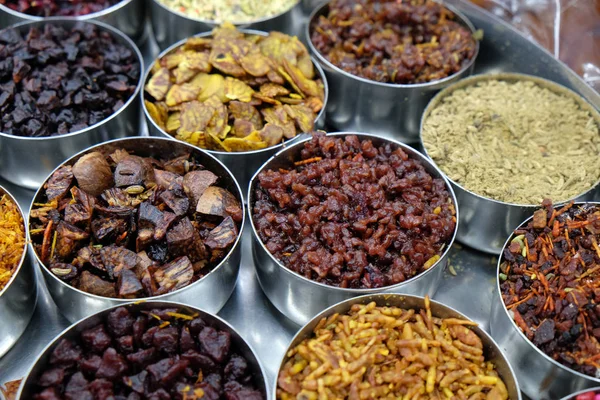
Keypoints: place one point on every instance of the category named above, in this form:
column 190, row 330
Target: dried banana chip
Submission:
column 237, row 90
column 159, row 84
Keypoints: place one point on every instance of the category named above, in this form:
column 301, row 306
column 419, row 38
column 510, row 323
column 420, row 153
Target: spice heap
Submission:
column 550, row 283
column 56, row 80
column 12, row 239
column 262, row 90
column 56, row 8
column 163, row 353
column 516, row 142
column 375, row 352
column 129, row 227
column 393, row 41
column 354, row 215
column 234, row 11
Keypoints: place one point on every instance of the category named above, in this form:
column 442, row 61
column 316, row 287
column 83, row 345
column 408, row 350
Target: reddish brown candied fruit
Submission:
column 393, row 41
column 211, row 367
column 55, row 8
column 353, row 215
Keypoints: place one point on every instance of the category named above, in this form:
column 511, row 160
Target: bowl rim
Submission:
column 13, row 277
column 304, row 332
column 461, row 18
column 180, row 43
column 121, row 301
column 505, row 310
column 583, row 391
column 507, row 76
column 354, row 291
column 97, row 14
column 116, row 34
column 216, row 22
column 135, row 304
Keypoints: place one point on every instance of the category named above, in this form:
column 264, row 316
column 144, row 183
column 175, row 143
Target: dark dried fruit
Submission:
column 56, row 8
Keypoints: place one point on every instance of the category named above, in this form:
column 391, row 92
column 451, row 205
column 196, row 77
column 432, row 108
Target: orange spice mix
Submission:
column 12, row 239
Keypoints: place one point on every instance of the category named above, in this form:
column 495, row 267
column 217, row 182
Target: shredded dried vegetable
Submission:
column 235, row 11
column 12, row 239
column 376, row 352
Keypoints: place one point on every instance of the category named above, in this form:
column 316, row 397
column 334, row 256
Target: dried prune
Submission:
column 55, row 8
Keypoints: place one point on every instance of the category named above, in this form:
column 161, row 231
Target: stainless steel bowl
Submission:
column 299, row 298
column 242, row 164
column 384, row 109
column 573, row 396
column 485, row 223
column 29, row 384
column 539, row 376
column 18, row 298
column 26, row 161
column 491, row 350
column 128, row 16
column 209, row 293
column 170, row 26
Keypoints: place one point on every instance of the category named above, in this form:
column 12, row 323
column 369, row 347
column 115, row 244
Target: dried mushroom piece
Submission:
column 223, row 89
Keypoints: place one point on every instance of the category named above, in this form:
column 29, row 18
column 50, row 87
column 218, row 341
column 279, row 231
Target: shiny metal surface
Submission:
column 243, row 164
column 170, row 26
column 299, row 298
column 28, row 387
column 389, row 110
column 574, row 395
column 209, row 293
column 26, row 161
column 539, row 376
column 128, row 16
column 491, row 350
column 486, row 223
column 18, row 297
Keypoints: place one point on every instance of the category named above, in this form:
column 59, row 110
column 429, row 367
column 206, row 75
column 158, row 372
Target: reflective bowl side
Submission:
column 491, row 350
column 539, row 376
column 19, row 296
column 128, row 16
column 29, row 384
column 486, row 223
column 209, row 293
column 389, row 110
column 27, row 161
column 243, row 164
column 299, row 298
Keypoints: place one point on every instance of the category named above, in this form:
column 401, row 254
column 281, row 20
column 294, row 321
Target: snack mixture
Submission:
column 550, row 283
column 163, row 353
column 354, row 215
column 375, row 352
column 514, row 141
column 125, row 226
column 58, row 8
column 55, row 80
column 233, row 11
column 12, row 239
column 235, row 92
column 393, row 41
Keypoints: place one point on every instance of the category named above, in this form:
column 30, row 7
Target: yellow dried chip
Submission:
column 214, row 143
column 303, row 116
column 211, row 85
column 224, row 56
column 278, row 116
column 182, row 93
column 159, row 84
column 266, row 99
column 247, row 112
column 307, row 86
column 305, row 65
column 155, row 114
column 255, row 64
column 194, row 117
column 171, row 60
column 237, row 90
column 173, row 123
column 242, row 128
column 217, row 126
column 197, row 43
column 249, row 143
column 273, row 90
column 271, row 134
column 193, row 138
column 183, row 74
column 196, row 61
column 227, row 31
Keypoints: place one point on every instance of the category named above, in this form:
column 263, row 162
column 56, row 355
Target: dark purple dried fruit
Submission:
column 55, row 8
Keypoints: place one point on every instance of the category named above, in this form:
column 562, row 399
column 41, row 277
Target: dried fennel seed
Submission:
column 515, row 142
column 234, row 11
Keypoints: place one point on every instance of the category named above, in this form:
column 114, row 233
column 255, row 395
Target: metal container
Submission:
column 573, row 396
column 491, row 351
column 209, row 293
column 539, row 376
column 18, row 297
column 30, row 385
column 384, row 109
column 26, row 161
column 485, row 223
column 243, row 164
column 170, row 26
column 299, row 298
column 127, row 16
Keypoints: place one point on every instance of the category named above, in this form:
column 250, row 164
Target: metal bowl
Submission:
column 485, row 223
column 26, row 161
column 242, row 164
column 539, row 376
column 18, row 297
column 128, row 16
column 29, row 384
column 209, row 293
column 299, row 298
column 491, row 351
column 573, row 396
column 385, row 109
column 170, row 26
